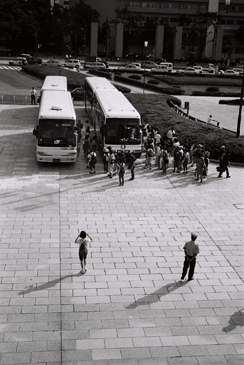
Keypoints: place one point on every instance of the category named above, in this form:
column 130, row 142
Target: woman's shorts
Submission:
column 82, row 255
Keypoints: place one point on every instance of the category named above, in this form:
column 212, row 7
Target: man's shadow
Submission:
column 155, row 296
column 48, row 285
column 237, row 319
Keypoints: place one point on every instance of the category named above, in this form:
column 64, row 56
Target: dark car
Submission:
column 78, row 93
column 34, row 61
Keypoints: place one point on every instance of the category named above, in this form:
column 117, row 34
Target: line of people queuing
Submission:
column 157, row 148
column 162, row 148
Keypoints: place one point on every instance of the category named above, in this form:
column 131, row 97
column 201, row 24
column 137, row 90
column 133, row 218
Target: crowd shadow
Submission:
column 48, row 285
column 237, row 319
column 155, row 296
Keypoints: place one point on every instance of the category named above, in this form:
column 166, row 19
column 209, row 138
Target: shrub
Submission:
column 153, row 82
column 135, row 77
column 214, row 89
column 147, row 74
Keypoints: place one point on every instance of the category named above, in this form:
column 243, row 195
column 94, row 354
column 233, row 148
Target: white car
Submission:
column 160, row 68
column 94, row 65
column 18, row 61
column 239, row 70
column 56, row 63
column 148, row 64
column 137, row 64
column 231, row 73
column 198, row 68
column 72, row 63
column 191, row 71
column 130, row 66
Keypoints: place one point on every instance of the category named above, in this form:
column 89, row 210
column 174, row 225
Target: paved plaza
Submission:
column 130, row 308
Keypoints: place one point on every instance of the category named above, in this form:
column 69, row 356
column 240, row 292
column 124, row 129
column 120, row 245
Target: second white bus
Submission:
column 115, row 120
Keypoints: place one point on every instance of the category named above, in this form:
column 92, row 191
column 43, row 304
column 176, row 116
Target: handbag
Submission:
column 218, row 168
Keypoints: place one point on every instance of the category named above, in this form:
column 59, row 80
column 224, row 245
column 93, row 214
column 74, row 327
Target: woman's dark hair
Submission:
column 83, row 234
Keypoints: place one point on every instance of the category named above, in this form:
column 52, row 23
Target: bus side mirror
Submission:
column 34, row 132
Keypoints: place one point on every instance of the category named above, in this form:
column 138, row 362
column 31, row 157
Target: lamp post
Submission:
column 238, row 130
column 145, row 47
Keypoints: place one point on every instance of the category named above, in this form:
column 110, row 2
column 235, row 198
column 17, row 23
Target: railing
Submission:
column 187, row 116
column 15, row 99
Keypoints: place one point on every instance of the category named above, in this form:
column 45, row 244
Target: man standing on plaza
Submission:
column 33, row 96
column 191, row 251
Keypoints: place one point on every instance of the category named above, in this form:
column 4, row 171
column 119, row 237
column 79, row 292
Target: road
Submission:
column 130, row 307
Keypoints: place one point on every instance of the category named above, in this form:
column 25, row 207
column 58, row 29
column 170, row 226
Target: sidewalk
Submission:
column 130, row 308
column 202, row 106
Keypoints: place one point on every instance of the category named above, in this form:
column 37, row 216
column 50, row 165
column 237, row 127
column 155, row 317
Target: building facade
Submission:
column 172, row 28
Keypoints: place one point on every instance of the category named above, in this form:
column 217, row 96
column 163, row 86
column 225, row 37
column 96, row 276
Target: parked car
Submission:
column 191, row 71
column 78, row 93
column 25, row 55
column 160, row 68
column 130, row 66
column 73, row 63
column 231, row 73
column 34, row 61
column 18, row 61
column 94, row 65
column 148, row 64
column 198, row 68
column 239, row 70
column 55, row 63
column 137, row 64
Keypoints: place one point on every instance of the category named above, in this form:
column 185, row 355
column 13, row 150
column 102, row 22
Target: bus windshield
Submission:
column 56, row 133
column 124, row 130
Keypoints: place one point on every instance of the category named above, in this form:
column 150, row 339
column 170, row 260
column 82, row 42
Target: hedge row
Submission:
column 155, row 110
column 74, row 79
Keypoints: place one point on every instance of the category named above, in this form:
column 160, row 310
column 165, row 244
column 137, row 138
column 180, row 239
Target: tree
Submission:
column 21, row 20
column 81, row 16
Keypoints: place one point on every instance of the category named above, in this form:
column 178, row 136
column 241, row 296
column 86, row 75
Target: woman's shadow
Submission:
column 237, row 319
column 48, row 285
column 155, row 296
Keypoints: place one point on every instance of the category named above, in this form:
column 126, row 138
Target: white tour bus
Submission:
column 53, row 83
column 92, row 84
column 56, row 131
column 115, row 120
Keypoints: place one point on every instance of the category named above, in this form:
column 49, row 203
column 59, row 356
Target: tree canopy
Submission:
column 26, row 23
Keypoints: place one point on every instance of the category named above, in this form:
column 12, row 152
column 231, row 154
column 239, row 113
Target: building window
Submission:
column 175, row 6
column 165, row 5
column 230, row 22
column 184, row 6
column 135, row 4
column 240, row 22
column 173, row 20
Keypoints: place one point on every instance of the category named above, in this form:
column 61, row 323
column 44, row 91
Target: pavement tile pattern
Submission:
column 130, row 308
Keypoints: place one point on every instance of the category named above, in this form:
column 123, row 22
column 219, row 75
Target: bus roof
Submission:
column 99, row 83
column 115, row 105
column 58, row 83
column 56, row 105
